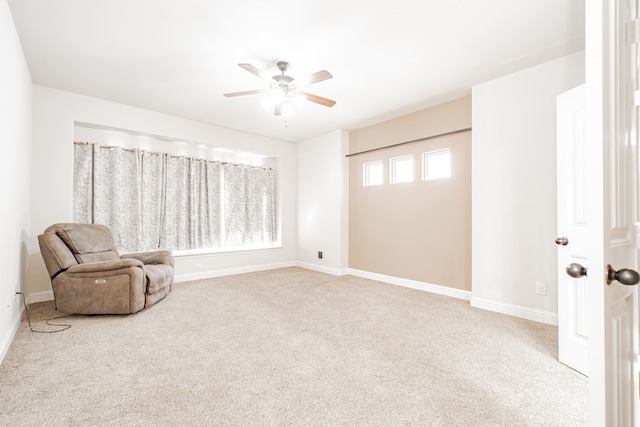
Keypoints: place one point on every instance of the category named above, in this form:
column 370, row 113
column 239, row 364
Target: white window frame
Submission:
column 393, row 179
column 425, row 164
column 366, row 173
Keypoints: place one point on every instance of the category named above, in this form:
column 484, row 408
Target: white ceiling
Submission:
column 388, row 58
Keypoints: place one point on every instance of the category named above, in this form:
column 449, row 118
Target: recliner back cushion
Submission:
column 67, row 244
column 56, row 255
column 89, row 242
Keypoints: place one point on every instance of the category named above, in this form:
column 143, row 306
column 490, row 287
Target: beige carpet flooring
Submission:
column 291, row 347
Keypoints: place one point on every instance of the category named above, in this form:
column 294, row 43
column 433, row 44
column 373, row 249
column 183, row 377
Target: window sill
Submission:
column 222, row 251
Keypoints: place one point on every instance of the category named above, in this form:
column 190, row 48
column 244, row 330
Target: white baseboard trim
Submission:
column 43, row 296
column 516, row 310
column 11, row 332
column 230, row 271
column 323, row 269
column 413, row 284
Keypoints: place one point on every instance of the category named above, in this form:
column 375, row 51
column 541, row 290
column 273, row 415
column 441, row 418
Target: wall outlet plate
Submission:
column 541, row 288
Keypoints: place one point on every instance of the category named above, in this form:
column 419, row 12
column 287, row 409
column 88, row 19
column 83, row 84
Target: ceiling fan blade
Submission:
column 319, row 100
column 253, row 70
column 246, row 92
column 313, row 78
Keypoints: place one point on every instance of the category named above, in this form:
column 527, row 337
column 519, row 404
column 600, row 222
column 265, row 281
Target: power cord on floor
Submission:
column 64, row 326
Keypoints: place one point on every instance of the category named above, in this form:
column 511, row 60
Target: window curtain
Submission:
column 158, row 201
column 192, row 208
column 153, row 183
column 248, row 205
column 83, row 183
column 107, row 181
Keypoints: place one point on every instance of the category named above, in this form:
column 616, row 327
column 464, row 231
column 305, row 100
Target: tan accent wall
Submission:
column 420, row 230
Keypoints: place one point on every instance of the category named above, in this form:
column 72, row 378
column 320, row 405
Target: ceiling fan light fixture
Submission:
column 277, row 95
column 287, row 108
column 299, row 101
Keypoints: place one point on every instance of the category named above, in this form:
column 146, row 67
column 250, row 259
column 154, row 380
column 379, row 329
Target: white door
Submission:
column 611, row 180
column 573, row 343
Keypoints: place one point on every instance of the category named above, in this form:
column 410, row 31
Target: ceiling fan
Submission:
column 285, row 91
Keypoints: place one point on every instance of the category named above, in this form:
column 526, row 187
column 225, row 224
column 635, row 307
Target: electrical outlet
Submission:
column 197, row 266
column 319, row 254
column 541, row 288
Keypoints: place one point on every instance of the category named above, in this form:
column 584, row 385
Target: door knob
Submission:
column 562, row 241
column 576, row 270
column 624, row 276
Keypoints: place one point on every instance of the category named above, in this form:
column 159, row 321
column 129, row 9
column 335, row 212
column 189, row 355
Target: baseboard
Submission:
column 322, row 268
column 43, row 296
column 230, row 271
column 413, row 284
column 516, row 310
column 11, row 333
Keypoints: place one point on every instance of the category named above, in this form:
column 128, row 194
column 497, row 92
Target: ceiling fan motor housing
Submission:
column 282, row 66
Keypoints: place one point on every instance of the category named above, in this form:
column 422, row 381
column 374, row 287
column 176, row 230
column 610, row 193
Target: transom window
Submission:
column 372, row 173
column 401, row 169
column 436, row 165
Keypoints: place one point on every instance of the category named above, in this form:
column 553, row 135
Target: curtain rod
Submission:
column 453, row 132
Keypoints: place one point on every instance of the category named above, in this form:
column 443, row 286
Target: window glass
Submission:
column 373, row 173
column 401, row 169
column 436, row 165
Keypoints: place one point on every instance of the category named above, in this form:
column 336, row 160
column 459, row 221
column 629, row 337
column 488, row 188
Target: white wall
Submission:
column 15, row 173
column 514, row 188
column 323, row 187
column 55, row 113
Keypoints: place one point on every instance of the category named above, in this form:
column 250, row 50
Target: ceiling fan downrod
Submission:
column 282, row 79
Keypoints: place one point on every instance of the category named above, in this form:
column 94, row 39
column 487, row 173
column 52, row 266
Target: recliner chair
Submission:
column 88, row 276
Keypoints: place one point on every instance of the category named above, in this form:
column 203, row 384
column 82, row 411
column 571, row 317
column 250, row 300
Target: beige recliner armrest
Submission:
column 104, row 266
column 156, row 257
column 114, row 287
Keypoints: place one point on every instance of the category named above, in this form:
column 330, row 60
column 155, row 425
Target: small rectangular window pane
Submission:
column 436, row 165
column 401, row 169
column 373, row 173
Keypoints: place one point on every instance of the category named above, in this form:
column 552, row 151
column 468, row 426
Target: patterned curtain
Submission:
column 192, row 205
column 153, row 181
column 248, row 205
column 176, row 216
column 261, row 206
column 107, row 190
column 83, row 183
column 117, row 200
column 157, row 201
